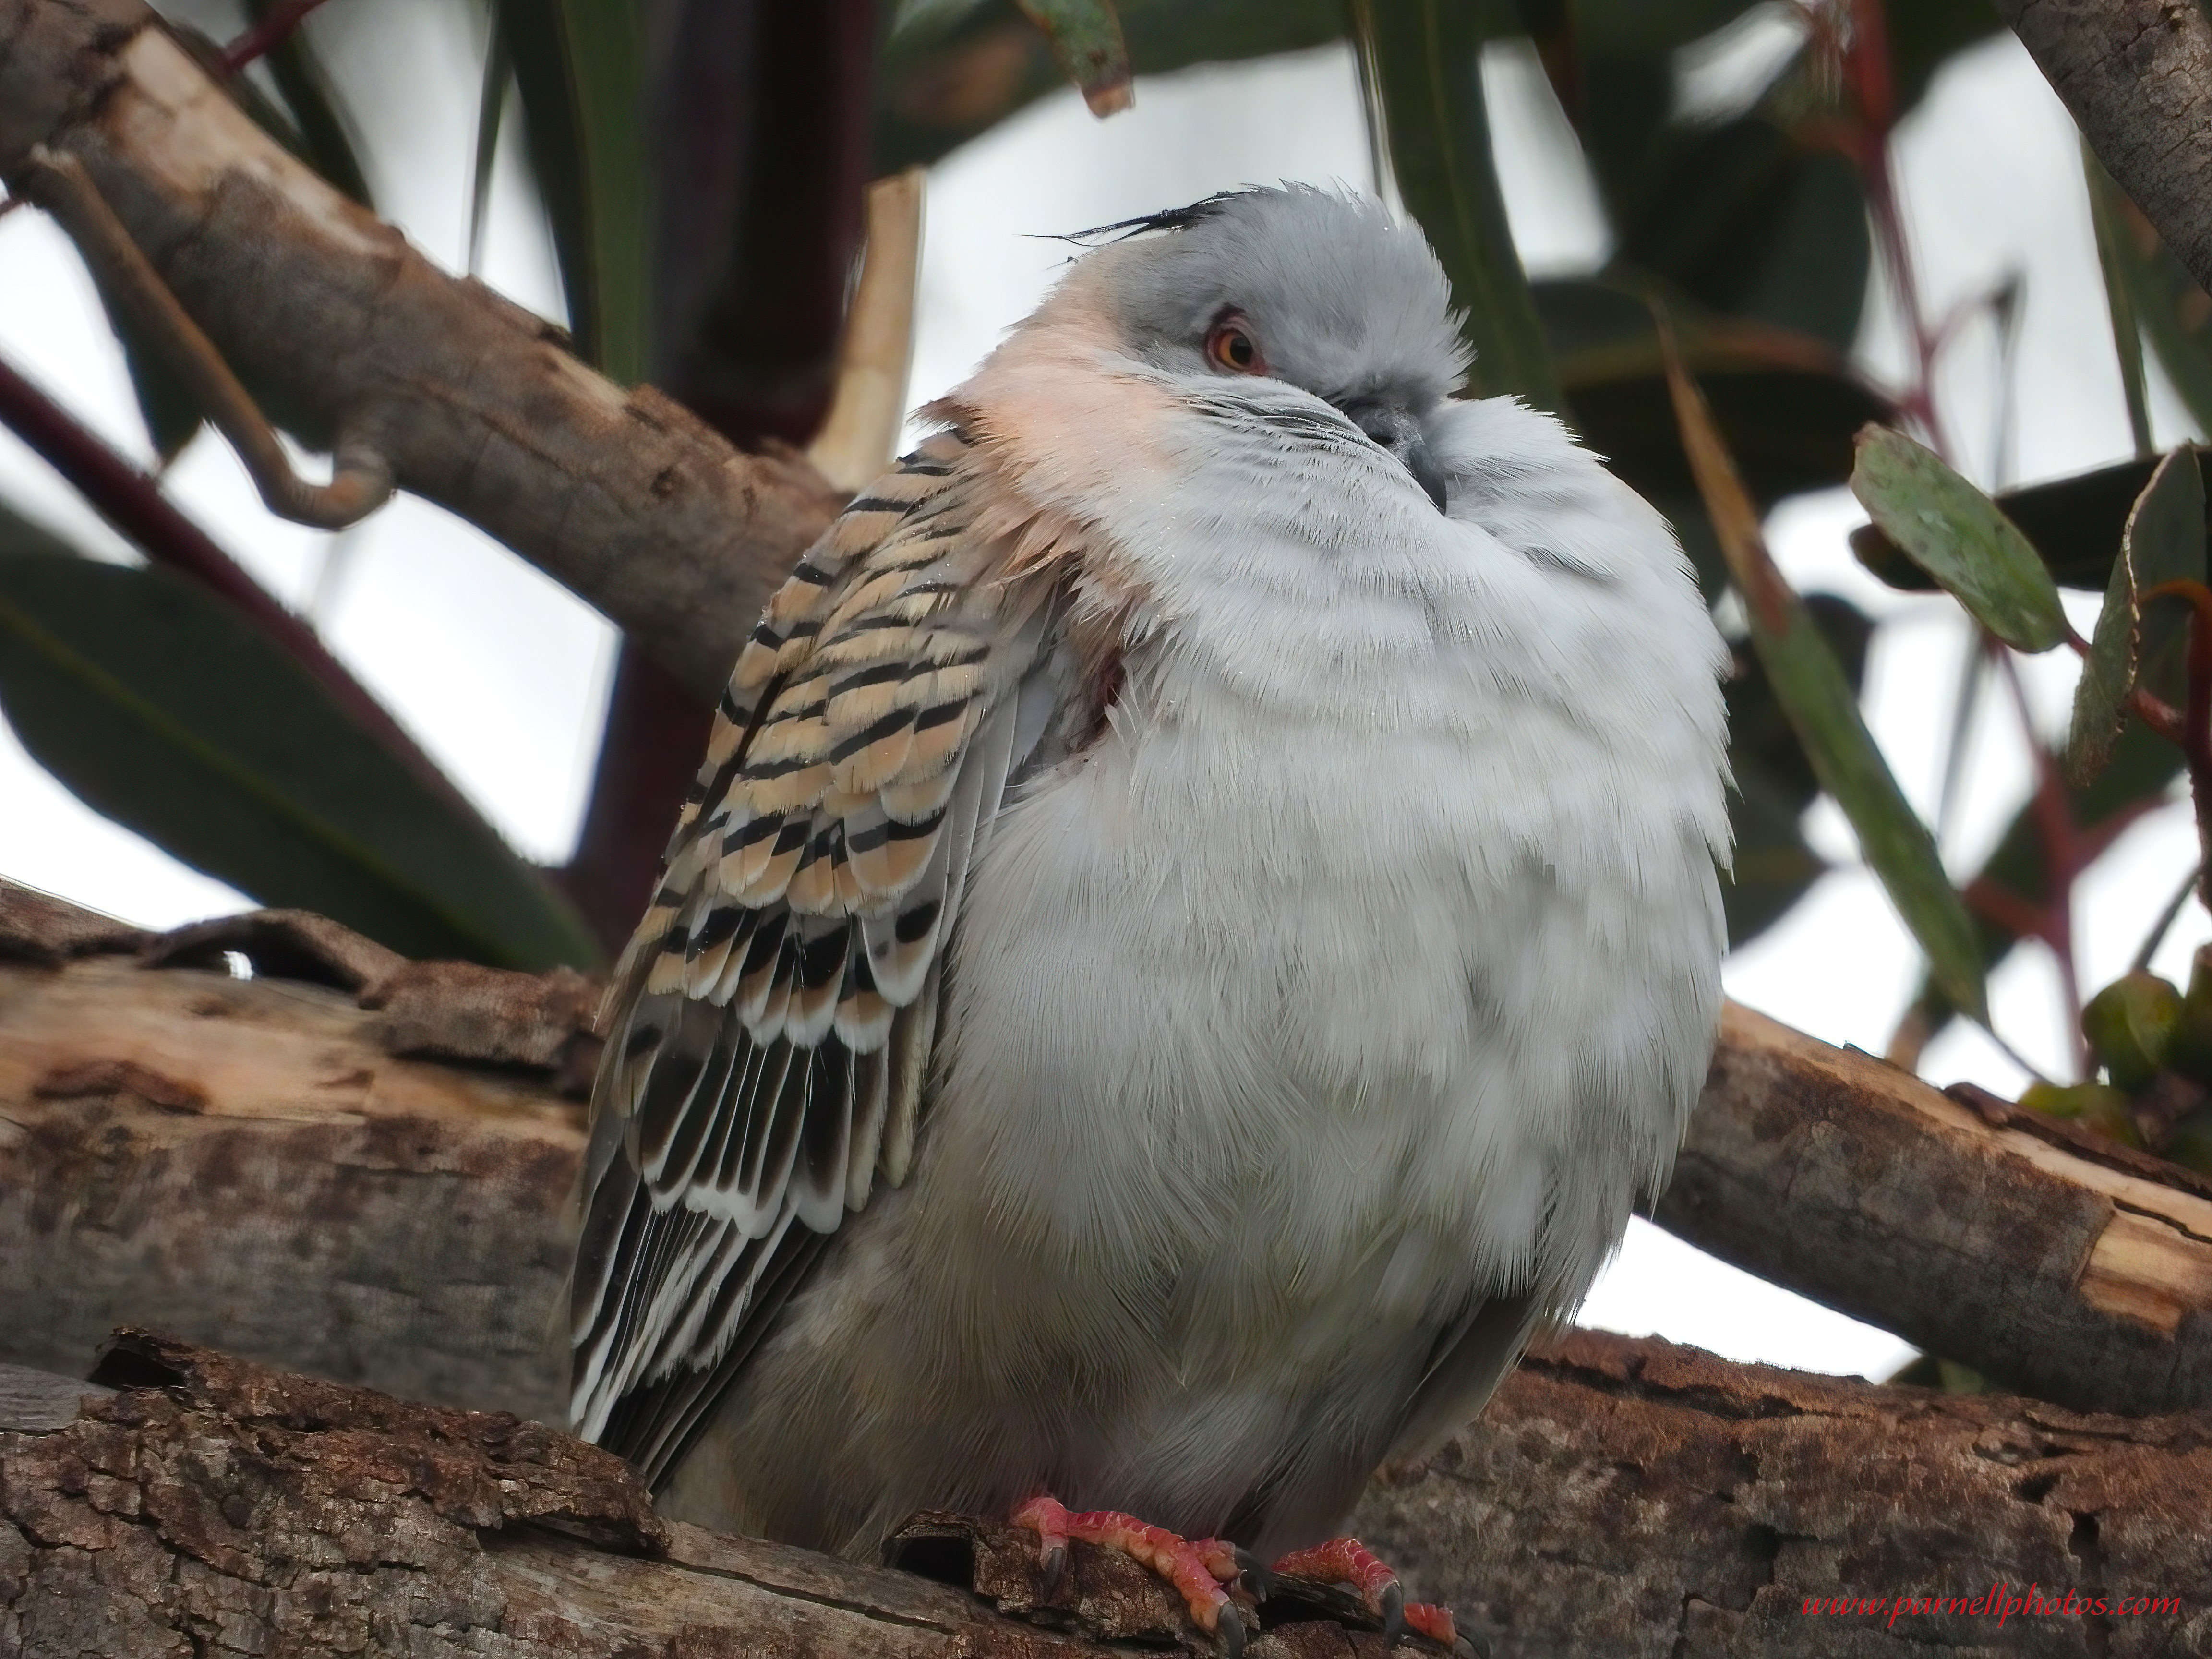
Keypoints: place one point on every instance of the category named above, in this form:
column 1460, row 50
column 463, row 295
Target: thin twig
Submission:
column 2167, row 919
column 135, row 505
column 361, row 478
column 2011, row 1053
column 1865, row 61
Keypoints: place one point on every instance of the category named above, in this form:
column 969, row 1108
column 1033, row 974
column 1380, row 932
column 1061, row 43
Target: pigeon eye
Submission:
column 1229, row 344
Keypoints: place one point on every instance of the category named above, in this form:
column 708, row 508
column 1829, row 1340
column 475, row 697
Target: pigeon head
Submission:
column 1323, row 291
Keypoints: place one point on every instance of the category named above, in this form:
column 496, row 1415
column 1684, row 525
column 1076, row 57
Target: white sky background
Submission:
column 503, row 676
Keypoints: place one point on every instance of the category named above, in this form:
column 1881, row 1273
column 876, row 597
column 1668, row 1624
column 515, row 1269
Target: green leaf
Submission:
column 1958, row 535
column 1423, row 63
column 1646, row 28
column 161, row 709
column 946, row 73
column 1813, row 691
column 2104, row 200
column 580, row 69
column 491, row 113
column 1086, row 39
column 2168, row 304
column 2075, row 524
column 1774, row 865
column 166, row 404
column 2163, row 542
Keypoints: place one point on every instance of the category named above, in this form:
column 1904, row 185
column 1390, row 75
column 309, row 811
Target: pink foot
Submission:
column 1348, row 1561
column 1197, row 1569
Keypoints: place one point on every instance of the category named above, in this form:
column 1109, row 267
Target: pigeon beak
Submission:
column 1393, row 428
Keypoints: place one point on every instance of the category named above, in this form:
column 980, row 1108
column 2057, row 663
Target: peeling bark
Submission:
column 344, row 331
column 259, row 1165
column 212, row 1507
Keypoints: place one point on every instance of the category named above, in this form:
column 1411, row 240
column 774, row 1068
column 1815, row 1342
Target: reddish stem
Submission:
column 2161, row 716
column 1862, row 55
column 135, row 505
column 274, row 29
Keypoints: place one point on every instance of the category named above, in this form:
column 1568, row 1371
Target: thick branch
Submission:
column 2077, row 1273
column 1624, row 1498
column 218, row 1507
column 341, row 328
column 2137, row 76
column 1618, row 1498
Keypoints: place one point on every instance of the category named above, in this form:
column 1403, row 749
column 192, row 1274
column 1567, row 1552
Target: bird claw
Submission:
column 1348, row 1561
column 1229, row 1625
column 1257, row 1575
column 1393, row 1609
column 1196, row 1569
column 1051, row 1558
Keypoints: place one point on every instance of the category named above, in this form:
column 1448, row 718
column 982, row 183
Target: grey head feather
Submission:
column 1343, row 302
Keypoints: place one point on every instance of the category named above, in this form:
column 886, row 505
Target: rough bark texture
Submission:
column 341, row 328
column 1619, row 1499
column 2071, row 1269
column 259, row 1163
column 215, row 1508
column 2136, row 75
column 1629, row 1498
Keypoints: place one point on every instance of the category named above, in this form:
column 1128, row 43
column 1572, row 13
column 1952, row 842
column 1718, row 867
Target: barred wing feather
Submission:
column 772, row 1020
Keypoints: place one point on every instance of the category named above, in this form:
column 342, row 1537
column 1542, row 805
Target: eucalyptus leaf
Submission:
column 580, row 69
column 325, row 137
column 1774, row 865
column 162, row 708
column 1923, row 35
column 2075, row 524
column 1960, row 538
column 2105, row 216
column 1813, row 690
column 2169, row 306
column 1086, row 39
column 1423, row 63
column 2163, row 542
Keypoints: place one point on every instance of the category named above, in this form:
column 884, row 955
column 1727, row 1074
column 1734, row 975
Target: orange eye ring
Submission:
column 1230, row 345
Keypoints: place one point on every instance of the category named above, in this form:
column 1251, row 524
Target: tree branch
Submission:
column 2136, row 75
column 1617, row 1498
column 337, row 325
column 2064, row 1266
